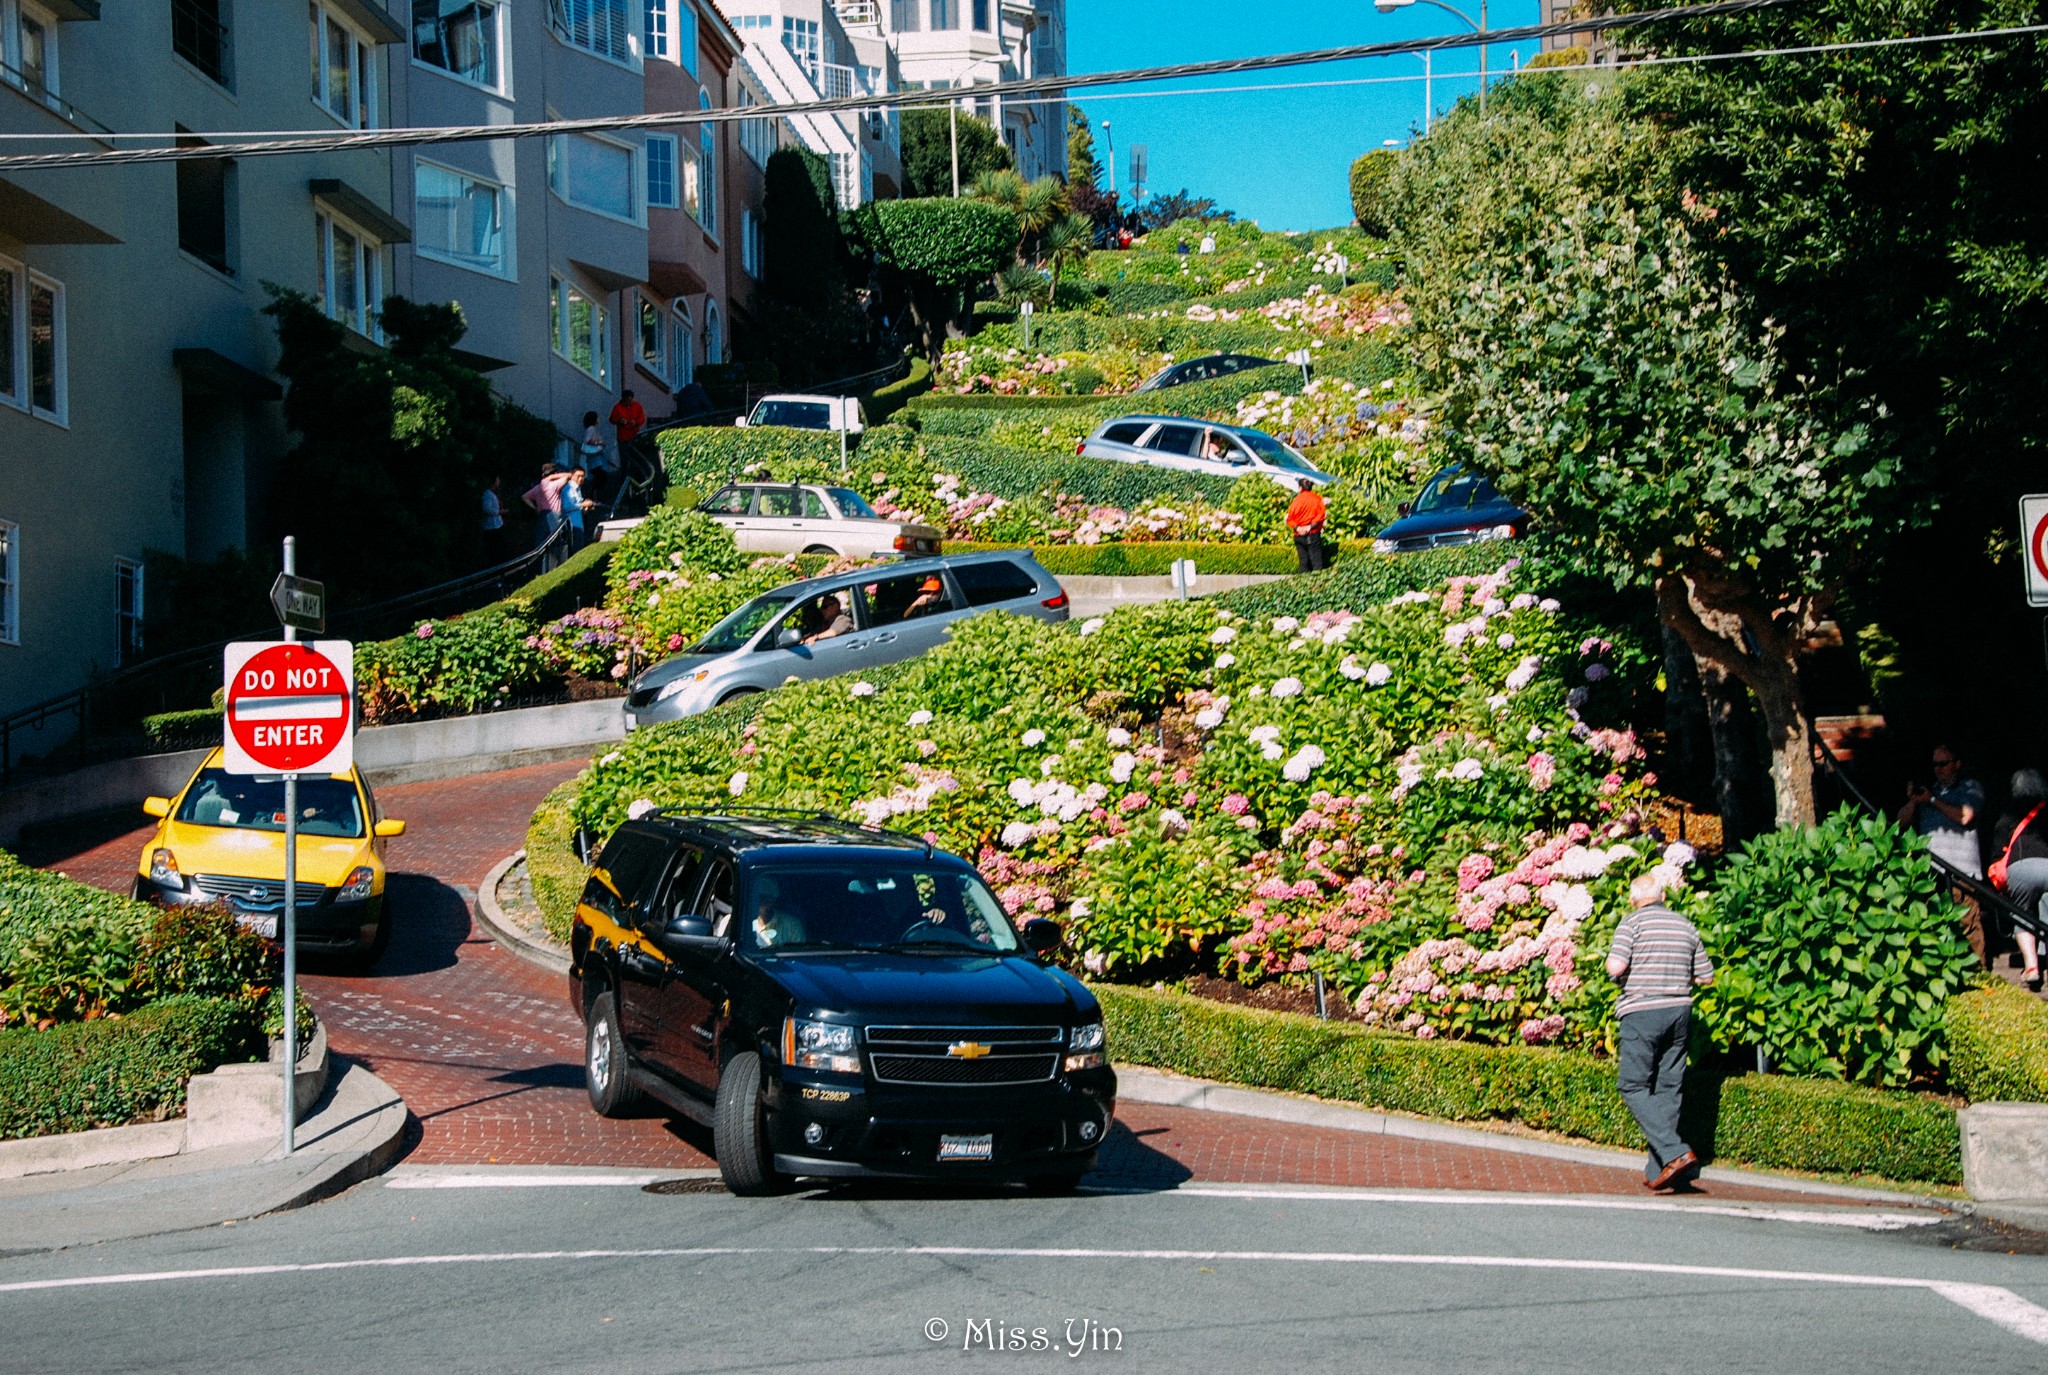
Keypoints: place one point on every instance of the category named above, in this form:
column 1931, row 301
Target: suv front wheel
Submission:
column 604, row 1060
column 739, row 1132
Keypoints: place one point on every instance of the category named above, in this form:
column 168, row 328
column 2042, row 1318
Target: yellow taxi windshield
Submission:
column 327, row 806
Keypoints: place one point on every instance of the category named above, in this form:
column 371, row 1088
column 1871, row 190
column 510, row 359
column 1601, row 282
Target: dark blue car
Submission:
column 1455, row 507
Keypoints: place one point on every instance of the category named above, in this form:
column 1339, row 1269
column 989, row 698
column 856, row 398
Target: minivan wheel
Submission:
column 604, row 1060
column 739, row 1131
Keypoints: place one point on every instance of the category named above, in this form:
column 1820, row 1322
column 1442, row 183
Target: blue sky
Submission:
column 1279, row 157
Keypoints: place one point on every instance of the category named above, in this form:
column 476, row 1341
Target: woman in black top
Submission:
column 2020, row 840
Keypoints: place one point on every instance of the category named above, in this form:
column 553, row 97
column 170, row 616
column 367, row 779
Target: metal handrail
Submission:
column 79, row 702
column 1976, row 887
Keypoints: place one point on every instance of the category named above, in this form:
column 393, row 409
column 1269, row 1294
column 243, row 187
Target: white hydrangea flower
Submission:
column 1208, row 718
column 1079, row 908
column 1411, row 599
column 1287, row 687
column 863, row 689
column 1123, row 766
column 1379, row 675
column 1021, row 793
column 1524, row 673
column 737, row 784
column 1285, row 625
column 1497, row 702
column 1574, row 902
column 1225, row 659
column 614, row 757
column 1173, row 819
column 1582, row 861
column 1222, row 635
column 1468, row 771
column 1016, row 833
column 1505, row 640
column 638, row 808
column 1118, row 736
column 1091, row 625
column 1679, row 854
column 1535, row 736
column 1033, row 738
column 1306, row 761
column 1272, row 752
column 1351, row 668
column 1265, row 735
column 1549, row 604
column 919, row 718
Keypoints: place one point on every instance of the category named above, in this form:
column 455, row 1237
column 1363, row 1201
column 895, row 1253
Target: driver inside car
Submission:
column 774, row 924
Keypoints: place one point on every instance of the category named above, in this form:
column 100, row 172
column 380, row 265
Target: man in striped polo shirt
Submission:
column 1657, row 959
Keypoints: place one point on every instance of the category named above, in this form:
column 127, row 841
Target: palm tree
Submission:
column 1043, row 203
column 1019, row 283
column 1004, row 188
column 1066, row 242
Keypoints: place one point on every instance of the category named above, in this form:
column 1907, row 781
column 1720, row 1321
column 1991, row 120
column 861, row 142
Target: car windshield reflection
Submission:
column 327, row 806
column 873, row 905
column 742, row 625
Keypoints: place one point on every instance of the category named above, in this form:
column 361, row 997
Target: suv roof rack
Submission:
column 799, row 819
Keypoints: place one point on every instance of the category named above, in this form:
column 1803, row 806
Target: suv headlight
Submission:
column 1085, row 1047
column 356, row 887
column 819, row 1045
column 676, row 685
column 163, row 871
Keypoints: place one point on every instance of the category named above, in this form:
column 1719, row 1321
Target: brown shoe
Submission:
column 1673, row 1168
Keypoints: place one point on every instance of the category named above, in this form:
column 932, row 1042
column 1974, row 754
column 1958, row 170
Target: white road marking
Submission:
column 523, row 1181
column 1988, row 1301
column 1862, row 1218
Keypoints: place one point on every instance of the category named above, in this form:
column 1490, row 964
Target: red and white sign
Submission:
column 2034, row 547
column 291, row 707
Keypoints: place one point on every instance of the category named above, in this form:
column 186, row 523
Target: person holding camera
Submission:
column 1947, row 814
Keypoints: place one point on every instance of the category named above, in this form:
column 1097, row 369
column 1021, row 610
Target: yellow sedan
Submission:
column 221, row 839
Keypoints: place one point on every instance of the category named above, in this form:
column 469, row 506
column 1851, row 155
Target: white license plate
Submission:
column 265, row 927
column 982, row 1148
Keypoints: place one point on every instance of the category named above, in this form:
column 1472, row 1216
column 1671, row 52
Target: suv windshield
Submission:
column 1276, row 453
column 1454, row 490
column 871, row 903
column 850, row 504
column 797, row 415
column 742, row 625
column 327, row 806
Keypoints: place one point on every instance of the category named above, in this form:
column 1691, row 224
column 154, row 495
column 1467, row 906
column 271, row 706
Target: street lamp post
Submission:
column 1389, row 6
column 1110, row 139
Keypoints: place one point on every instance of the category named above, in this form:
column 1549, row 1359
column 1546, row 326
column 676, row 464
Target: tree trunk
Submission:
column 1687, row 730
column 1731, row 630
column 1738, row 774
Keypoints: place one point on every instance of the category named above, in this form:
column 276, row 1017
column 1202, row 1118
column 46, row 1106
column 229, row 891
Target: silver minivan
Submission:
column 881, row 615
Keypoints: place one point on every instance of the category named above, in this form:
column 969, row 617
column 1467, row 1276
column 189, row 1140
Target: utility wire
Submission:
column 396, row 138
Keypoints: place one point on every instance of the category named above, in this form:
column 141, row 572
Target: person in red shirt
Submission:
column 1305, row 517
column 628, row 418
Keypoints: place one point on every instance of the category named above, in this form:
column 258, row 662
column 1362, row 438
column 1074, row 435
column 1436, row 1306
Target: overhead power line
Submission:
column 399, row 138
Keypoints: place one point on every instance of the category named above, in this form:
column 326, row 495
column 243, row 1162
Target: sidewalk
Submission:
column 355, row 1131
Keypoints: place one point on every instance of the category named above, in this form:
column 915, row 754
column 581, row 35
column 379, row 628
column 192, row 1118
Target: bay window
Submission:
column 594, row 174
column 459, row 218
column 603, row 27
column 582, row 330
column 344, row 70
column 350, row 274
column 460, row 37
column 661, row 171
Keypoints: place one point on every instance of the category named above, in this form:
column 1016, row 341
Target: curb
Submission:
column 1142, row 1085
column 503, row 929
column 352, row 1167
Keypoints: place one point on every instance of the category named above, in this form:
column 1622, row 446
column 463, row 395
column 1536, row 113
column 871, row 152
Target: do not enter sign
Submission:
column 291, row 707
column 2034, row 554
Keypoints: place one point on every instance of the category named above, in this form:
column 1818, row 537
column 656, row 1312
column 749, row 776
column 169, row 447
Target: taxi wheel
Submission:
column 366, row 958
column 739, row 1131
column 604, row 1061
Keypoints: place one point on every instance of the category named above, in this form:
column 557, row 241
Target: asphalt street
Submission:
column 451, row 1269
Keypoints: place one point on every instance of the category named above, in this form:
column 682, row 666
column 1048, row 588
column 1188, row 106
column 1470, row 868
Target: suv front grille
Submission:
column 256, row 894
column 965, row 1055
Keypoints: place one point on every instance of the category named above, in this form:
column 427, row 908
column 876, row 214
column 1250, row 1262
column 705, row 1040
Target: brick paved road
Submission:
column 486, row 1052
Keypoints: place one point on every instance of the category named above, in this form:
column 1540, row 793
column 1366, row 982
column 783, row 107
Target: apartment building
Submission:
column 138, row 402
column 943, row 45
column 1598, row 46
column 800, row 51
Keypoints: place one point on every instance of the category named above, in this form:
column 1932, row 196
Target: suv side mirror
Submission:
column 1406, row 508
column 690, row 934
column 788, row 638
column 1043, row 936
column 739, row 422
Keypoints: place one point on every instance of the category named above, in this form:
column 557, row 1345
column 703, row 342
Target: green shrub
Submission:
column 706, row 459
column 177, row 730
column 206, row 952
column 114, row 1071
column 1363, row 580
column 72, row 969
column 1126, row 297
column 466, row 663
column 985, row 401
column 36, row 900
column 1998, row 1045
column 1766, row 1121
column 1155, row 558
column 1083, row 379
column 1370, row 176
column 671, row 539
column 552, row 867
column 1838, row 948
column 576, row 581
column 885, row 401
column 1012, row 473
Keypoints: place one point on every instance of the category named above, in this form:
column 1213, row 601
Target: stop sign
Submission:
column 290, row 707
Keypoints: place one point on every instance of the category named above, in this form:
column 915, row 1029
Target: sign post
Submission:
column 290, row 709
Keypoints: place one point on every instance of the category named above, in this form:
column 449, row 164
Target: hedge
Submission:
column 116, row 1070
column 1998, row 1045
column 1155, row 558
column 1767, row 1121
column 575, row 582
column 551, row 865
column 1364, row 579
column 174, row 730
column 1011, row 472
column 32, row 898
column 884, row 402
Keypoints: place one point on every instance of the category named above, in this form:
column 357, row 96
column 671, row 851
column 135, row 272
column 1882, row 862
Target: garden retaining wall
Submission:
column 415, row 752
column 1097, row 596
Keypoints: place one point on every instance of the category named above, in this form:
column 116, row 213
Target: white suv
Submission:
column 799, row 412
column 791, row 518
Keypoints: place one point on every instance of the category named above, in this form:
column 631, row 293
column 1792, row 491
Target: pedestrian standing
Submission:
column 1947, row 814
column 544, row 499
column 629, row 417
column 494, row 520
column 2020, row 840
column 574, row 504
column 1658, row 959
column 1305, row 518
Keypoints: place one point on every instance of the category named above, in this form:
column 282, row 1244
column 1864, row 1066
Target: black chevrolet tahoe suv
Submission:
column 832, row 1001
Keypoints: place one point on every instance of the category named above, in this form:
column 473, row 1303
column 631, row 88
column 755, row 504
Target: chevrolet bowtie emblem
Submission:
column 967, row 1050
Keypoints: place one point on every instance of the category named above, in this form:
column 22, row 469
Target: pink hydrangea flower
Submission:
column 1236, row 804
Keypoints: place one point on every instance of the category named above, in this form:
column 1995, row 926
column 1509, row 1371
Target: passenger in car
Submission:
column 930, row 599
column 773, row 925
column 833, row 617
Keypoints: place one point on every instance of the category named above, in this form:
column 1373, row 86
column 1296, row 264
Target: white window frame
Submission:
column 682, row 354
column 643, row 307
column 20, row 283
column 127, row 617
column 673, row 200
column 560, row 292
column 364, row 88
column 371, row 274
column 656, row 36
column 10, row 583
column 563, row 16
column 501, row 52
column 636, row 190
column 505, row 269
column 12, row 12
column 707, row 140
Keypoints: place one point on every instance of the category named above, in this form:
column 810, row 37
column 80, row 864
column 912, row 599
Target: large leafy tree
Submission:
column 393, row 448
column 928, row 151
column 1082, row 168
column 1614, row 378
column 806, row 306
column 931, row 250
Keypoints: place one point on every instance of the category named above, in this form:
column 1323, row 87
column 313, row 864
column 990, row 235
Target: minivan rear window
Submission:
column 1126, row 433
column 997, row 580
column 1174, row 439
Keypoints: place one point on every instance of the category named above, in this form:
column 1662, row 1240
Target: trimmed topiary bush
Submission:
column 670, row 539
column 113, row 1071
column 552, row 867
column 1998, row 1045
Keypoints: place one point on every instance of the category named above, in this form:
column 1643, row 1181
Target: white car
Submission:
column 1199, row 446
column 794, row 518
column 798, row 412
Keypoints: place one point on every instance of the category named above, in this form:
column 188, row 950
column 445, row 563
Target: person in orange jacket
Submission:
column 1305, row 517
